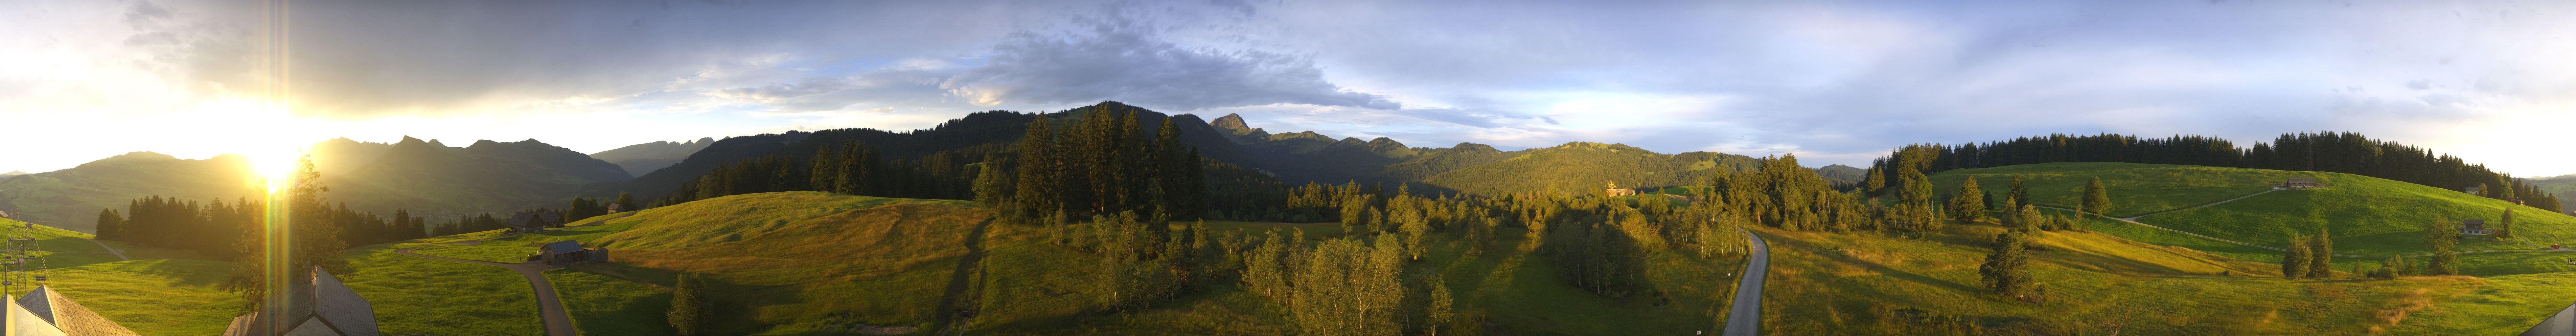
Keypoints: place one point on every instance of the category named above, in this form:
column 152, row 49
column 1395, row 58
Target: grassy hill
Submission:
column 2366, row 215
column 1867, row 283
column 71, row 198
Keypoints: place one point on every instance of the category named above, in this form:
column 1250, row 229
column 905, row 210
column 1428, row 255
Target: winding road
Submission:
column 1745, row 318
column 557, row 323
column 551, row 308
column 2134, row 220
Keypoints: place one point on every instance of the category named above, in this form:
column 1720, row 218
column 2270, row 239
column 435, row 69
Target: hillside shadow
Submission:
column 1776, row 241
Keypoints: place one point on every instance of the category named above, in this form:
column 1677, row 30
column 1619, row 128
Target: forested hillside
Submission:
column 2347, row 152
column 438, row 181
column 70, row 198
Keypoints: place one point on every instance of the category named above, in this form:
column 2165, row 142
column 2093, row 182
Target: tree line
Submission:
column 2343, row 152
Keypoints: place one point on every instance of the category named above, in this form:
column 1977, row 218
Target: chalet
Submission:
column 319, row 306
column 2472, row 190
column 2299, row 183
column 570, row 252
column 613, row 207
column 526, row 223
column 2474, row 227
column 552, row 219
column 46, row 312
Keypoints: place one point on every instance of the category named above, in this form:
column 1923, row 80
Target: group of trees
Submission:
column 2309, row 257
column 173, row 223
column 2323, row 151
column 1103, row 163
column 851, row 167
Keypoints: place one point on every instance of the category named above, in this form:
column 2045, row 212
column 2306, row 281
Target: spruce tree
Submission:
column 2097, row 197
column 1968, row 204
column 2295, row 261
column 1440, row 306
column 110, row 225
column 688, row 307
column 2322, row 260
column 2018, row 193
column 2441, row 236
column 2504, row 226
column 2006, row 271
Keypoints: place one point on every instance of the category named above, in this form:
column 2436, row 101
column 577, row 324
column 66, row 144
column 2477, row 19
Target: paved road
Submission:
column 557, row 323
column 1746, row 317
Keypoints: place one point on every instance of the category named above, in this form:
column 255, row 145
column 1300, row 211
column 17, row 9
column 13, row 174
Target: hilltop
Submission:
column 425, row 176
column 642, row 158
column 71, row 198
column 2365, row 215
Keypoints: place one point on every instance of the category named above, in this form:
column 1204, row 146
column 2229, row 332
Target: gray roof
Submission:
column 323, row 300
column 69, row 316
column 523, row 219
column 563, row 247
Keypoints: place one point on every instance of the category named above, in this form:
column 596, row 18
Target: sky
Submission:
column 1834, row 82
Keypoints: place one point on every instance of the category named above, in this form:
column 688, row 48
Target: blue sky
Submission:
column 1831, row 81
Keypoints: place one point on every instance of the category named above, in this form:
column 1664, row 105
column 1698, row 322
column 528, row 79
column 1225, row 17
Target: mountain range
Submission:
column 433, row 179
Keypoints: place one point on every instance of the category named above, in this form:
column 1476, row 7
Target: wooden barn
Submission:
column 526, row 223
column 2471, row 190
column 570, row 252
column 614, row 207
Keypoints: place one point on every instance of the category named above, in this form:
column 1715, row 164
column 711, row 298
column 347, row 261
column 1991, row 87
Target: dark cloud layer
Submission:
column 1118, row 60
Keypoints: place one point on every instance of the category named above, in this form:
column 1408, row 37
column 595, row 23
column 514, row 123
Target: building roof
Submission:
column 612, row 207
column 67, row 315
column 322, row 305
column 550, row 217
column 524, row 219
column 563, row 247
column 2302, row 180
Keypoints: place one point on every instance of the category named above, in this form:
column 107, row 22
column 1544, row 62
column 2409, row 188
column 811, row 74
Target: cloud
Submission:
column 1122, row 60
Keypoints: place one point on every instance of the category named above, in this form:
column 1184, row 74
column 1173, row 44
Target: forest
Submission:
column 2343, row 152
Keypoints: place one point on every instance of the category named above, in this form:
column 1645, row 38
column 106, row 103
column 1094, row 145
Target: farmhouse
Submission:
column 2471, row 190
column 2299, row 183
column 526, row 223
column 570, row 252
column 2473, row 226
column 321, row 306
column 46, row 312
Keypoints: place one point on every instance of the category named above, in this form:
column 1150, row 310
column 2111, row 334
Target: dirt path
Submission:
column 120, row 255
column 1745, row 317
column 557, row 323
column 2134, row 220
column 958, row 281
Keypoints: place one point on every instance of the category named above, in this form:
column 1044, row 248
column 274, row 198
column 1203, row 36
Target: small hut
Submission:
column 2473, row 227
column 552, row 219
column 2472, row 190
column 526, row 223
column 570, row 252
column 613, row 207
column 2299, row 183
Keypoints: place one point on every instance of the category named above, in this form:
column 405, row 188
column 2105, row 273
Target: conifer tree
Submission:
column 688, row 315
column 2321, row 263
column 1876, row 182
column 2097, row 197
column 2018, row 193
column 2295, row 261
column 110, row 225
column 2441, row 235
column 2504, row 226
column 1440, row 306
column 1968, row 204
column 626, row 202
column 2007, row 270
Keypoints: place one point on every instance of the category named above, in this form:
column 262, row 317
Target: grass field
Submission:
column 604, row 305
column 154, row 297
column 2365, row 215
column 414, row 295
column 2097, row 284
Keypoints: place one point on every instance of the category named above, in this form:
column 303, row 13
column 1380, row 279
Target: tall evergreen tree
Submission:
column 2441, row 235
column 1440, row 310
column 2018, row 193
column 1968, row 204
column 2006, row 271
column 2097, row 197
column 2504, row 226
column 2321, row 261
column 688, row 314
column 110, row 224
column 2295, row 261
